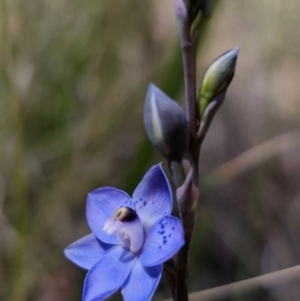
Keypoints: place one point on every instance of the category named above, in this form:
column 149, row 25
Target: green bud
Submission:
column 217, row 78
column 165, row 124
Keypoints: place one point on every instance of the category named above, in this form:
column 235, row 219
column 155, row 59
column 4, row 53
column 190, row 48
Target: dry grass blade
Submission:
column 245, row 286
column 253, row 157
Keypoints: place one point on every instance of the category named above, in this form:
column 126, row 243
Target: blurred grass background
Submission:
column 73, row 77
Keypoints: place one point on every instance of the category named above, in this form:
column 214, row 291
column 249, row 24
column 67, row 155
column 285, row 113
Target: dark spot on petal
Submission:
column 164, row 242
column 144, row 204
column 170, row 235
column 173, row 228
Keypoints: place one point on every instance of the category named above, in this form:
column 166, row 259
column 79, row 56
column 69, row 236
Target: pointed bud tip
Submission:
column 236, row 50
column 230, row 55
column 151, row 88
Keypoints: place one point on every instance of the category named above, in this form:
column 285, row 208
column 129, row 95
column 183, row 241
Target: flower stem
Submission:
column 181, row 289
column 188, row 43
column 189, row 35
column 188, row 48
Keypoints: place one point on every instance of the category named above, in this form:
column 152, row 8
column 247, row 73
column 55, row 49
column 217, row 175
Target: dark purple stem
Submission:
column 188, row 47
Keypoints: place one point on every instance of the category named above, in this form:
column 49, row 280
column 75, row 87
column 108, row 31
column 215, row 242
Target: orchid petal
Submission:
column 141, row 283
column 108, row 274
column 153, row 198
column 163, row 240
column 87, row 251
column 101, row 205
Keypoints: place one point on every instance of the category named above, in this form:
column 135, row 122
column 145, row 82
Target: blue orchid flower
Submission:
column 131, row 239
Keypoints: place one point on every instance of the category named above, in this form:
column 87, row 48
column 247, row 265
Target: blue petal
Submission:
column 101, row 206
column 107, row 275
column 163, row 240
column 141, row 282
column 153, row 198
column 86, row 251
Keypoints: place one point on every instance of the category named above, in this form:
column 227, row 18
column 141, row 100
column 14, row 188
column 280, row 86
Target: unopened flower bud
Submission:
column 165, row 124
column 217, row 78
column 196, row 6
